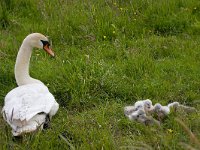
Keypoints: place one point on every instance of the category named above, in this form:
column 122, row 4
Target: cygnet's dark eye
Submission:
column 45, row 43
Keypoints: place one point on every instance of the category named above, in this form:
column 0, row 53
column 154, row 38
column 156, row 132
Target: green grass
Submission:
column 109, row 54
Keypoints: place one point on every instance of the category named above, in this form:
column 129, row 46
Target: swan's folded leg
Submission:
column 47, row 122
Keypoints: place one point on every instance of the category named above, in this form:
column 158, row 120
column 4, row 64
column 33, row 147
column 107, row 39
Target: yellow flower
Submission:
column 113, row 32
column 121, row 8
column 104, row 37
column 170, row 130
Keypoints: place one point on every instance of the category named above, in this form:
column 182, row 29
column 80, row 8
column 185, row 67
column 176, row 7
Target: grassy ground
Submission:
column 109, row 54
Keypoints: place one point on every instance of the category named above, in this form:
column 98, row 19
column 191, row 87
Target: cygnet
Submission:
column 161, row 111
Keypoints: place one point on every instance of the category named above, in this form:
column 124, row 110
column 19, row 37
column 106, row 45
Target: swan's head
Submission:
column 139, row 105
column 173, row 105
column 40, row 41
column 137, row 115
column 161, row 109
column 148, row 104
column 157, row 107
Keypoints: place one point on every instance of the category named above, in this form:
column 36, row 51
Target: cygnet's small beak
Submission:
column 48, row 50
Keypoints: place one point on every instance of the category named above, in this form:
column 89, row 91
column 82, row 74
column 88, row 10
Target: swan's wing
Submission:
column 26, row 101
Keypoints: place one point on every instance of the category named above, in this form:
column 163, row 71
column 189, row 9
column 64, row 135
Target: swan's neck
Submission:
column 22, row 66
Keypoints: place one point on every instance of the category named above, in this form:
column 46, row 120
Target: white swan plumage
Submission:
column 27, row 106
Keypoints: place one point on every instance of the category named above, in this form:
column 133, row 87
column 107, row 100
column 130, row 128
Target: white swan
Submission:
column 29, row 106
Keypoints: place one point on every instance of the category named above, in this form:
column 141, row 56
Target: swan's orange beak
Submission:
column 48, row 50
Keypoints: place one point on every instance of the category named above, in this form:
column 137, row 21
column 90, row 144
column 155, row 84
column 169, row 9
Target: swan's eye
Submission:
column 45, row 43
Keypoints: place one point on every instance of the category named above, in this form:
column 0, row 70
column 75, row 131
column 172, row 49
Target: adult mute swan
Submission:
column 30, row 105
